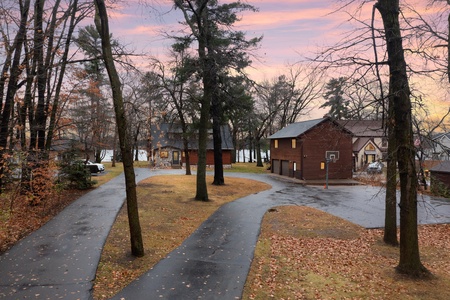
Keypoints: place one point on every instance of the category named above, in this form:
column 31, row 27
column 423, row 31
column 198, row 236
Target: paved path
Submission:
column 214, row 261
column 60, row 259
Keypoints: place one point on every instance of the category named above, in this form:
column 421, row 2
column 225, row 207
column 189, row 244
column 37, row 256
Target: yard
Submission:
column 302, row 253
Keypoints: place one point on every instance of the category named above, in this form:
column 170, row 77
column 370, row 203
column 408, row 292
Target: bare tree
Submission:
column 177, row 80
column 137, row 246
column 34, row 71
column 283, row 101
column 399, row 95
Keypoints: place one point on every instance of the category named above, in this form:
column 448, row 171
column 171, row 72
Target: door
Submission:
column 285, row 167
column 276, row 166
column 175, row 158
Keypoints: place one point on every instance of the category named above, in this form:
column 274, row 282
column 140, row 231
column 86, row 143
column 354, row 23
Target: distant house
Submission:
column 300, row 150
column 440, row 178
column 369, row 141
column 440, row 147
column 168, row 150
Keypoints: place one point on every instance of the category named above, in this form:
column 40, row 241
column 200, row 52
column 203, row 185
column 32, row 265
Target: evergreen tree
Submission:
column 219, row 50
column 335, row 100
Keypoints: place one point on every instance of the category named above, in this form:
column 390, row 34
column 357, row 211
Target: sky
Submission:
column 290, row 28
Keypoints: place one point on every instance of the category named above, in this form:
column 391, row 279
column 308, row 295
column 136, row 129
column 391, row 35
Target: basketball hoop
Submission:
column 330, row 156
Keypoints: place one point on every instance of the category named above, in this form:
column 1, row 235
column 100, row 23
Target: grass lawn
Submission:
column 247, row 168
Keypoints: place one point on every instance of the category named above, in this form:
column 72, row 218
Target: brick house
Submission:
column 440, row 178
column 168, row 150
column 300, row 149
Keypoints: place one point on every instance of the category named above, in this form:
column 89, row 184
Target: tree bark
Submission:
column 217, row 139
column 202, row 189
column 409, row 263
column 38, row 56
column 137, row 246
column 15, row 72
column 185, row 144
column 209, row 84
column 390, row 219
column 259, row 162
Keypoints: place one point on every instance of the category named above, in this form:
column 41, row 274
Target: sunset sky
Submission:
column 291, row 30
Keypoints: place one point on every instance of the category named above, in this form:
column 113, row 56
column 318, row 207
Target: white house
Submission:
column 369, row 141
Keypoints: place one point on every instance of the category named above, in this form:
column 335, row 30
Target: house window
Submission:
column 164, row 154
column 294, row 143
column 276, row 144
column 370, row 147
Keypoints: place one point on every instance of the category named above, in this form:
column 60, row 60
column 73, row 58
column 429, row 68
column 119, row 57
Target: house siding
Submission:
column 327, row 137
column 311, row 151
column 193, row 157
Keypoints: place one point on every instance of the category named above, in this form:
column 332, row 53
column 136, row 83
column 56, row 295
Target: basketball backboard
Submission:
column 332, row 156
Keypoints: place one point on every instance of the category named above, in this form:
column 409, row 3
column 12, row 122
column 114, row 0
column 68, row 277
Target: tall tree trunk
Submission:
column 187, row 160
column 113, row 159
column 259, row 162
column 38, row 56
column 235, row 145
column 202, row 189
column 186, row 147
column 390, row 219
column 217, row 139
column 101, row 21
column 209, row 84
column 409, row 263
column 136, row 140
column 15, row 72
column 250, row 148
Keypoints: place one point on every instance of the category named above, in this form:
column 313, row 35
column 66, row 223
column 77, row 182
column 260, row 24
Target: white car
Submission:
column 101, row 167
column 375, row 167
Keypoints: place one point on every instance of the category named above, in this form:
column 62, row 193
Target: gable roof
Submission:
column 362, row 142
column 443, row 167
column 296, row 129
column 364, row 128
column 169, row 135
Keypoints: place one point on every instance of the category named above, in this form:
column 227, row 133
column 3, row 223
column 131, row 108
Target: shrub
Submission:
column 73, row 173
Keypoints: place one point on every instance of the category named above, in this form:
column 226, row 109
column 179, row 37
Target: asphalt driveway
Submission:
column 214, row 261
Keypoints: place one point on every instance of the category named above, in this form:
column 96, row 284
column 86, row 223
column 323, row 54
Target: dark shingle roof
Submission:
column 296, row 129
column 364, row 128
column 169, row 135
column 443, row 167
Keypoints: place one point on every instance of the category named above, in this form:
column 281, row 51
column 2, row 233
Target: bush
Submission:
column 74, row 174
column 438, row 188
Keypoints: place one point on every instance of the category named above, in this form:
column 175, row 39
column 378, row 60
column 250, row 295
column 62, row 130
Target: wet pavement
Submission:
column 214, row 261
column 60, row 259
